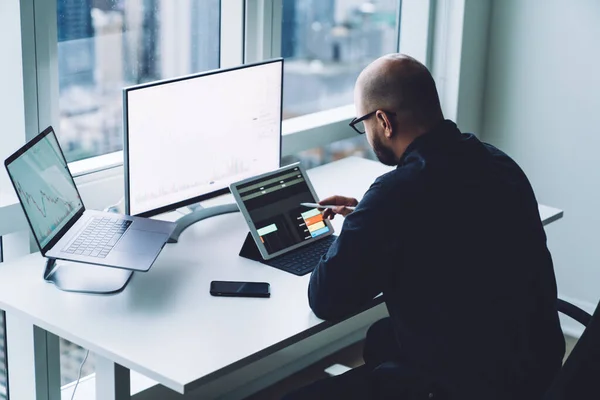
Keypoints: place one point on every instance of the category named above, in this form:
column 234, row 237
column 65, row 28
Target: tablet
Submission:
column 270, row 204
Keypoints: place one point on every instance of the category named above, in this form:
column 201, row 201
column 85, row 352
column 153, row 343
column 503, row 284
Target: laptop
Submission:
column 288, row 235
column 63, row 228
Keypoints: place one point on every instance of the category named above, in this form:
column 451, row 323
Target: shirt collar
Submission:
column 443, row 132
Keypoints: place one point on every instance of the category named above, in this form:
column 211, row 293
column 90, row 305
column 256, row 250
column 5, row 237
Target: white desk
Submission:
column 549, row 214
column 165, row 325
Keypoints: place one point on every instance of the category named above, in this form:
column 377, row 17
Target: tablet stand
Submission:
column 198, row 214
column 250, row 251
column 85, row 278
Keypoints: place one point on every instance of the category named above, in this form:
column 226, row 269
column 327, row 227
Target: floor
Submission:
column 350, row 356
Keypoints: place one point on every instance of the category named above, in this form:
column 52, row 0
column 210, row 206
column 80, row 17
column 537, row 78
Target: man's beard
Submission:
column 384, row 155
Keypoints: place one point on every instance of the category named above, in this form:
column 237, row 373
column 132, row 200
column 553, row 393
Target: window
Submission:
column 327, row 43
column 356, row 146
column 104, row 45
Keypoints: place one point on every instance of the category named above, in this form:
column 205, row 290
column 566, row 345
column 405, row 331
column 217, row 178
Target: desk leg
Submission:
column 33, row 361
column 112, row 380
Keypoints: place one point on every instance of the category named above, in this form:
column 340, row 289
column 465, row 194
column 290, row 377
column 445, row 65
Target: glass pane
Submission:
column 326, row 43
column 3, row 376
column 71, row 357
column 104, row 45
column 356, row 146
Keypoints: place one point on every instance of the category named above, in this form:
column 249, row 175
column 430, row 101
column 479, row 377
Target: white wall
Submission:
column 542, row 106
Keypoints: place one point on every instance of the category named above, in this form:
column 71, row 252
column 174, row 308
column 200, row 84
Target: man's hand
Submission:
column 340, row 201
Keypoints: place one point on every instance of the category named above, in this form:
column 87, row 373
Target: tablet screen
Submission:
column 273, row 204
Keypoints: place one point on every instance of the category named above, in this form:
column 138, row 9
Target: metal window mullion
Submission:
column 263, row 29
column 254, row 29
column 232, row 33
column 398, row 25
column 40, row 65
column 29, row 64
column 415, row 30
column 33, row 360
column 47, row 364
column 276, row 27
column 430, row 33
column 46, row 37
column 427, row 17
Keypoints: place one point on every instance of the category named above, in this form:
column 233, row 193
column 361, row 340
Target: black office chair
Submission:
column 579, row 378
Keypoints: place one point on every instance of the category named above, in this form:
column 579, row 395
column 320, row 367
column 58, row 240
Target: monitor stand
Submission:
column 85, row 278
column 198, row 214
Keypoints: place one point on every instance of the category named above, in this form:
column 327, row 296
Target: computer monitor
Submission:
column 187, row 139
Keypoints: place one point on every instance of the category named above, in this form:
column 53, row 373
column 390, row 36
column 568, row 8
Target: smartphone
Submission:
column 240, row 289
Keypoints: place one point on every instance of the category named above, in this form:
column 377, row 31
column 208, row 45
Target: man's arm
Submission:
column 353, row 271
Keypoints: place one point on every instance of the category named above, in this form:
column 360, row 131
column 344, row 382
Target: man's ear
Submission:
column 385, row 123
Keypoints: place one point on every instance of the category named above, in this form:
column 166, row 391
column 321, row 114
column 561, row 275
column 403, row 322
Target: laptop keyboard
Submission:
column 303, row 260
column 99, row 237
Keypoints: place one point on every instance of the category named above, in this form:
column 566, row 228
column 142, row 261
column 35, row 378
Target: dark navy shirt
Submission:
column 453, row 239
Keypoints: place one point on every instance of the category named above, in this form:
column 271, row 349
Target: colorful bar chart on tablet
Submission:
column 314, row 222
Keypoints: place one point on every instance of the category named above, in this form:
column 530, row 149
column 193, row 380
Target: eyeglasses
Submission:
column 358, row 124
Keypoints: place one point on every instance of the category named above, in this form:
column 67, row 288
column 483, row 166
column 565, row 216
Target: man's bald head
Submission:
column 401, row 84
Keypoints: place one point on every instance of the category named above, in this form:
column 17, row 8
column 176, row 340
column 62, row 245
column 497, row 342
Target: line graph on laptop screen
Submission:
column 45, row 188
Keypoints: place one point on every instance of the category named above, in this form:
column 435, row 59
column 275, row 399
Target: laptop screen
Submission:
column 45, row 186
column 273, row 203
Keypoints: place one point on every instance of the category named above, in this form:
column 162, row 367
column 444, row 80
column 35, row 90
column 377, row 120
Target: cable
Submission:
column 87, row 353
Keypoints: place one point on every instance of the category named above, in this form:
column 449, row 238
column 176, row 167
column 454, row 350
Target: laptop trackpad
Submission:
column 141, row 242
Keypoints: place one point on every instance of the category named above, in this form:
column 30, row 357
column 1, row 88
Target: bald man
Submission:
column 452, row 237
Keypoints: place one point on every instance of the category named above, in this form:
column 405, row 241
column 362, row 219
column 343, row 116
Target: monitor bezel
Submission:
column 48, row 131
column 204, row 196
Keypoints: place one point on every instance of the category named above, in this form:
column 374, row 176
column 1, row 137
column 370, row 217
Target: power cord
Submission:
column 87, row 353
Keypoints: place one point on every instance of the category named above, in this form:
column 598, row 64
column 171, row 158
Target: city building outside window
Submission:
column 105, row 45
column 326, row 44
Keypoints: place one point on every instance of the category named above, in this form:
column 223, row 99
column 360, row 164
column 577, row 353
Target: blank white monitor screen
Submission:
column 191, row 137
